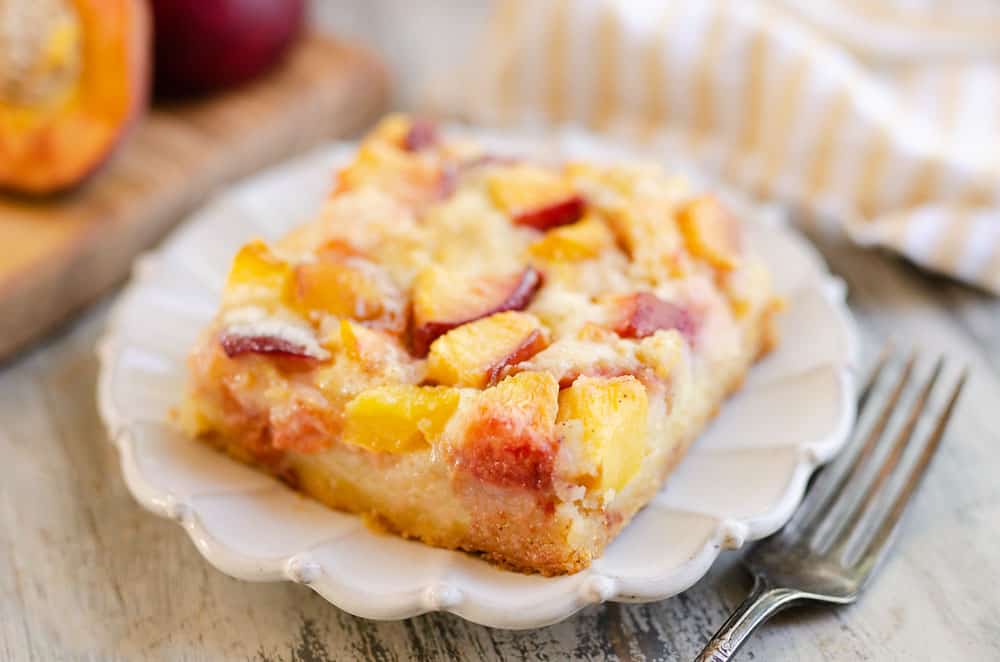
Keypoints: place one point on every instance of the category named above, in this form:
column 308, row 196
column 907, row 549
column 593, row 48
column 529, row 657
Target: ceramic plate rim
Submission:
column 594, row 587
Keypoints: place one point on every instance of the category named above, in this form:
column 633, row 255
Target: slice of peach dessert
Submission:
column 485, row 354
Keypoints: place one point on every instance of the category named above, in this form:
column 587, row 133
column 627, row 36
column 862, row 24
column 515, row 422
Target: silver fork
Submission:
column 830, row 549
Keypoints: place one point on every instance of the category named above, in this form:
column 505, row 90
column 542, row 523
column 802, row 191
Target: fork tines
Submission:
column 848, row 516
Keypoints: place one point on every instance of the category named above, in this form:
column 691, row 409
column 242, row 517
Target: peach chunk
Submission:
column 535, row 197
column 398, row 418
column 475, row 354
column 511, row 440
column 711, row 232
column 337, row 289
column 613, row 415
column 443, row 300
column 372, row 350
column 384, row 161
column 582, row 240
column 653, row 243
column 642, row 314
column 354, row 340
column 257, row 276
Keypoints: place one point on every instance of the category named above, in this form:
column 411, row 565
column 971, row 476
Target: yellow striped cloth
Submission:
column 880, row 116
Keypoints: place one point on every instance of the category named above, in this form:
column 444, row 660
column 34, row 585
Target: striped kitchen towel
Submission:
column 881, row 116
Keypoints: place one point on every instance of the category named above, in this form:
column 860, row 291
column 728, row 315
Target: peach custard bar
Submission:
column 481, row 352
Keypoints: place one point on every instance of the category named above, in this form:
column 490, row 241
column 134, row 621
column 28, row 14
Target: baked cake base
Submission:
column 416, row 496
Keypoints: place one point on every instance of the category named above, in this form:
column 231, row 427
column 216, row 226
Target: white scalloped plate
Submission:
column 741, row 481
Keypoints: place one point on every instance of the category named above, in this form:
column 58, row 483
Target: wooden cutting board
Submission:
column 58, row 255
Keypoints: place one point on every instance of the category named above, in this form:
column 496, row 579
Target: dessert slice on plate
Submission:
column 483, row 353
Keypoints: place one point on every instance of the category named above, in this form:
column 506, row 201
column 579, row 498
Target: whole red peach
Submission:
column 202, row 46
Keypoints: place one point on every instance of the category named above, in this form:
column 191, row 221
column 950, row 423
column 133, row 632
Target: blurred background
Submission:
column 419, row 40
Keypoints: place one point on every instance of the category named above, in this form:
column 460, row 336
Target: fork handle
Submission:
column 763, row 602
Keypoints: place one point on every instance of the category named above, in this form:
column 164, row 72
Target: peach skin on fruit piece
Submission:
column 237, row 344
column 511, row 439
column 476, row 353
column 711, row 232
column 642, row 314
column 612, row 414
column 398, row 418
column 535, row 197
column 443, row 300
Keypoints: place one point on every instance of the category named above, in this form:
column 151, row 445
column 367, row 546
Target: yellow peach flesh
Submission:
column 613, row 414
column 398, row 418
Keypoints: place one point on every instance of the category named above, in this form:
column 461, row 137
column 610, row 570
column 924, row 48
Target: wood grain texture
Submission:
column 86, row 574
column 60, row 254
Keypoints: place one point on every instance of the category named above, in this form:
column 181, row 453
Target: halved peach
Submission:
column 398, row 418
column 74, row 76
column 475, row 354
column 443, row 300
column 711, row 232
column 612, row 413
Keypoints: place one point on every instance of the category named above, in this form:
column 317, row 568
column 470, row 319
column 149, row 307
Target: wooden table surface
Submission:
column 86, row 574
